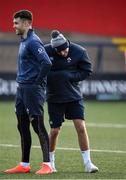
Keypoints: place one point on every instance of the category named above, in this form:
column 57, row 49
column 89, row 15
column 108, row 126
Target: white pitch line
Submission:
column 106, row 125
column 68, row 149
column 100, row 125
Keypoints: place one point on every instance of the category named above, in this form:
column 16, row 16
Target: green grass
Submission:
column 69, row 163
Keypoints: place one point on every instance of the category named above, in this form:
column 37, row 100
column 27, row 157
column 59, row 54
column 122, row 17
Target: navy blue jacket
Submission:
column 66, row 72
column 33, row 61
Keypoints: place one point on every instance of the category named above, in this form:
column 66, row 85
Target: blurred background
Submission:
column 97, row 25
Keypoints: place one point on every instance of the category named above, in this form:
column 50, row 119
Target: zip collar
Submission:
column 30, row 31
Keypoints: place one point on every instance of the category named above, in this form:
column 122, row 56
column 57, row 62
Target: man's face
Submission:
column 19, row 25
column 64, row 52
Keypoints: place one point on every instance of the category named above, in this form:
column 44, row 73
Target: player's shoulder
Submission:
column 34, row 38
column 35, row 41
column 77, row 48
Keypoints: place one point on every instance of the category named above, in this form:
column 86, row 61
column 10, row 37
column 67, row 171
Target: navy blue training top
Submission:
column 66, row 72
column 33, row 61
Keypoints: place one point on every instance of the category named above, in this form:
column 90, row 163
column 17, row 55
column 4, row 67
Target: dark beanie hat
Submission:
column 58, row 41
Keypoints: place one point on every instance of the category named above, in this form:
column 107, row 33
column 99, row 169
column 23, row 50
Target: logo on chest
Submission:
column 69, row 59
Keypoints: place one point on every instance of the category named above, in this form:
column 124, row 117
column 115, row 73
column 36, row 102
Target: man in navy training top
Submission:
column 71, row 64
column 33, row 66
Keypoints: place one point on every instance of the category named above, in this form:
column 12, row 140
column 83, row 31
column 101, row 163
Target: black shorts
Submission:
column 60, row 111
column 30, row 100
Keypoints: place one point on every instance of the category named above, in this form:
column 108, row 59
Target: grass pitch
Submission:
column 106, row 125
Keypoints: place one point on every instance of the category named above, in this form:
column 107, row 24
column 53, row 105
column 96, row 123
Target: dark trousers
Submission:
column 39, row 128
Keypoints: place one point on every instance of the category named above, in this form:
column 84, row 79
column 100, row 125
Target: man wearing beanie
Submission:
column 70, row 64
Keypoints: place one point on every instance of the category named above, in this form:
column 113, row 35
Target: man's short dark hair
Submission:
column 24, row 14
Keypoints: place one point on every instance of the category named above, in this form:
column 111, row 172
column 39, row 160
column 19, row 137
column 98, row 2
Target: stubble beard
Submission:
column 19, row 32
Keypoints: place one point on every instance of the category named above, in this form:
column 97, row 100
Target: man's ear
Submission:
column 26, row 23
